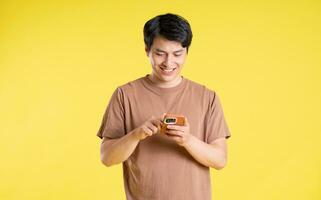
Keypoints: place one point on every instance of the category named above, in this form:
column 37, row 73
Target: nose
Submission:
column 168, row 62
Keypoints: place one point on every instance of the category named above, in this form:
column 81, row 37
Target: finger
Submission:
column 186, row 122
column 163, row 116
column 175, row 127
column 147, row 131
column 156, row 122
column 152, row 127
column 174, row 133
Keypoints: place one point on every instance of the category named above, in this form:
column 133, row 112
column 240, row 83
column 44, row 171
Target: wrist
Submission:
column 135, row 134
column 189, row 140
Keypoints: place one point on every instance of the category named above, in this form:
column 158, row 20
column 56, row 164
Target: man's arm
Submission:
column 211, row 155
column 114, row 151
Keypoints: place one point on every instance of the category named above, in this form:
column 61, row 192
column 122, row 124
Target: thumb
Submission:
column 186, row 122
column 162, row 117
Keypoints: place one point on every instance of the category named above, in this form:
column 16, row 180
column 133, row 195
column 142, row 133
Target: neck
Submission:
column 165, row 84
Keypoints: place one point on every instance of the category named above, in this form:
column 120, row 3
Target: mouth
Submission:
column 168, row 71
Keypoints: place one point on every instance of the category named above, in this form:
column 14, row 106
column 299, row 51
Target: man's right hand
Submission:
column 150, row 127
column 114, row 151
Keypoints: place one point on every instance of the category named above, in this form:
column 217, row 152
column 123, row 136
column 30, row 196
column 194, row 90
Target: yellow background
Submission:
column 61, row 60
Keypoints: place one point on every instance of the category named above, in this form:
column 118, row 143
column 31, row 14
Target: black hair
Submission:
column 170, row 26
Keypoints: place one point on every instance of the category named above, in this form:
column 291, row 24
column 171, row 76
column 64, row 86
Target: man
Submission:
column 175, row 164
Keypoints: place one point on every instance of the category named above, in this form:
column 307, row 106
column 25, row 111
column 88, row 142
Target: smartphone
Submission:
column 172, row 120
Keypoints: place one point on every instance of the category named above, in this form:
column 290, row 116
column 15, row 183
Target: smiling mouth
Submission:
column 167, row 70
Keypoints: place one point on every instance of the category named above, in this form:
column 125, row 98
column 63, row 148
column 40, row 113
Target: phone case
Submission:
column 171, row 119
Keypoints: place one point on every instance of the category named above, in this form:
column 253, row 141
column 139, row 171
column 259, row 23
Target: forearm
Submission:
column 206, row 154
column 114, row 151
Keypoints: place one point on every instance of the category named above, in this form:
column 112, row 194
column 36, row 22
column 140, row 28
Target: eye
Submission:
column 159, row 54
column 177, row 55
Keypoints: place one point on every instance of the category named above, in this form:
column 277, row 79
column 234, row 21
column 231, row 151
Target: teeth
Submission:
column 167, row 70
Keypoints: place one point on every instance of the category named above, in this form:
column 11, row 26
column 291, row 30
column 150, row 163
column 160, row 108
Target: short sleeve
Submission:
column 216, row 126
column 113, row 125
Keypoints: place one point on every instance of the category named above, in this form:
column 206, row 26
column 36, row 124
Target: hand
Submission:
column 150, row 127
column 180, row 134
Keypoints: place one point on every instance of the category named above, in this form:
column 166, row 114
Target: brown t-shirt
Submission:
column 159, row 168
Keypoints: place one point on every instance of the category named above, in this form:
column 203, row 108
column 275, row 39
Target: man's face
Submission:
column 167, row 59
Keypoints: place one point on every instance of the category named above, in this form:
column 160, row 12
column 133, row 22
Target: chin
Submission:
column 167, row 78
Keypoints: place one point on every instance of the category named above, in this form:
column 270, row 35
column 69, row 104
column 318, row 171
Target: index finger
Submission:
column 175, row 127
column 156, row 122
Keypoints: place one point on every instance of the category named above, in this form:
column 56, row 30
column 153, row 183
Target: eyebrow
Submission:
column 159, row 50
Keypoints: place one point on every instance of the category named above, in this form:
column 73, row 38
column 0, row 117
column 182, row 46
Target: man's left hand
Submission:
column 180, row 134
